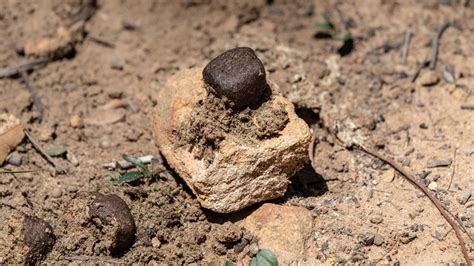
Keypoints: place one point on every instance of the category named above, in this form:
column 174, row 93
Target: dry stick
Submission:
column 59, row 168
column 454, row 169
column 435, row 43
column 418, row 70
column 406, row 45
column 446, row 214
column 36, row 101
column 24, row 66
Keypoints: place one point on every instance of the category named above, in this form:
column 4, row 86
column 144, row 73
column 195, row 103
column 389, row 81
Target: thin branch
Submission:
column 59, row 168
column 406, row 44
column 454, row 169
column 435, row 44
column 22, row 67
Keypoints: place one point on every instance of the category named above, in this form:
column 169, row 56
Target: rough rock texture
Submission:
column 241, row 173
column 282, row 229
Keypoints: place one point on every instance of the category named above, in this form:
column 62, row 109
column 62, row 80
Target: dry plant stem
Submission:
column 24, row 66
column 406, row 44
column 96, row 259
column 435, row 44
column 36, row 101
column 446, row 214
column 20, row 171
column 59, row 168
column 454, row 169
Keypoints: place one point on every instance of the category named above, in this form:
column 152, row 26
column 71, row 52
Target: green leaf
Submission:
column 228, row 263
column 57, row 150
column 347, row 36
column 127, row 177
column 138, row 163
column 325, row 25
column 264, row 258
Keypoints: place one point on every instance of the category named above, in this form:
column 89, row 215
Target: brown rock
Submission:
column 282, row 229
column 428, row 78
column 241, row 173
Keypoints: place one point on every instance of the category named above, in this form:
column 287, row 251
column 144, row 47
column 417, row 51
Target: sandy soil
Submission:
column 360, row 90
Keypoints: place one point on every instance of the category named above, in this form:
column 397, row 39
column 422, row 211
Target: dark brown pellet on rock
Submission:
column 238, row 75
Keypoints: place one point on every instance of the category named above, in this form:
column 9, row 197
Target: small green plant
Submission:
column 142, row 171
column 264, row 257
column 228, row 263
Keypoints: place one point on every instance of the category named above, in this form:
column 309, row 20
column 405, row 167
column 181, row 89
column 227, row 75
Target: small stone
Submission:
column 376, row 220
column 328, row 203
column 423, row 174
column 428, row 78
column 436, row 177
column 425, row 182
column 117, row 63
column 433, row 186
column 75, row 121
column 378, row 240
column 439, row 163
column 237, row 75
column 407, row 237
column 367, row 239
column 14, row 158
column 424, row 125
column 155, row 242
column 468, row 150
column 465, row 197
column 56, row 192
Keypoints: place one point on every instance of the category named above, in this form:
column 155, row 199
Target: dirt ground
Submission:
column 360, row 90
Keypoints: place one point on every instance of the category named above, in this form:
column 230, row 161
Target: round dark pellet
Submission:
column 238, row 76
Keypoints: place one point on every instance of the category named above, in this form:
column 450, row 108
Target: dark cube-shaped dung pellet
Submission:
column 237, row 75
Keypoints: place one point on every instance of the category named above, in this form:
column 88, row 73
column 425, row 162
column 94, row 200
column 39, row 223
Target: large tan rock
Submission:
column 282, row 229
column 240, row 174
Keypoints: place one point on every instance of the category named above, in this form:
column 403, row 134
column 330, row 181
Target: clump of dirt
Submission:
column 211, row 120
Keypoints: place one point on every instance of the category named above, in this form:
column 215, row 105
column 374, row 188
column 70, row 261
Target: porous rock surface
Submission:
column 241, row 174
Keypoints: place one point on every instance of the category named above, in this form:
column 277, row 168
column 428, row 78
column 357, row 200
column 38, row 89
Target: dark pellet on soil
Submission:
column 237, row 75
column 424, row 126
column 38, row 236
column 113, row 211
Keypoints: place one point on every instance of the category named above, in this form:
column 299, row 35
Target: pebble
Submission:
column 117, row 63
column 155, row 242
column 436, row 177
column 468, row 150
column 328, row 203
column 424, row 125
column 14, row 158
column 376, row 220
column 429, row 78
column 56, row 192
column 367, row 238
column 423, row 174
column 433, row 186
column 465, row 197
column 439, row 163
column 378, row 240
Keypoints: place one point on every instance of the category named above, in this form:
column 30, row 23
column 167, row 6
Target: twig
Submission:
column 36, row 100
column 445, row 213
column 24, row 66
column 102, row 41
column 125, row 164
column 467, row 106
column 102, row 259
column 454, row 169
column 418, row 70
column 311, row 148
column 406, row 44
column 59, row 168
column 20, row 171
column 435, row 44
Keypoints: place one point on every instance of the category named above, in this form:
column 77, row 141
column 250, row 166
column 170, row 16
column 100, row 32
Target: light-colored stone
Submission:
column 240, row 174
column 282, row 229
column 428, row 78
